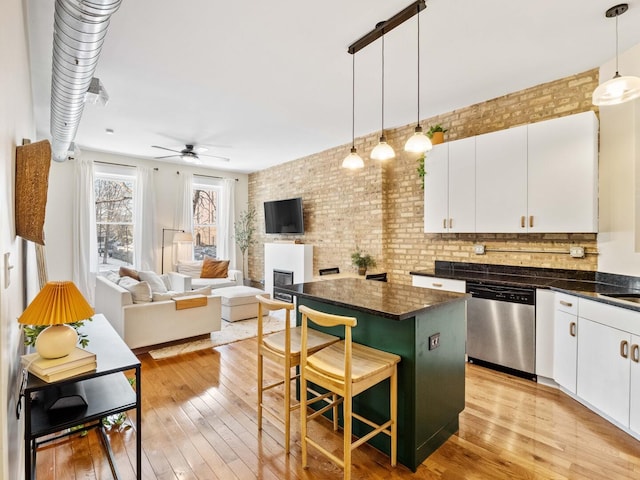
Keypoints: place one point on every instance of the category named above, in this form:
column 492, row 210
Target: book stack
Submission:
column 54, row 369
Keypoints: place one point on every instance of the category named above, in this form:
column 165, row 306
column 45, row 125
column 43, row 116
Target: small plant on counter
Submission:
column 362, row 261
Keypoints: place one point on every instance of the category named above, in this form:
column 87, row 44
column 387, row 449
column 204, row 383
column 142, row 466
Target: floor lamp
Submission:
column 167, row 230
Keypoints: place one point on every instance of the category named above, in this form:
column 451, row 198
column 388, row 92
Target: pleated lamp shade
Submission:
column 57, row 304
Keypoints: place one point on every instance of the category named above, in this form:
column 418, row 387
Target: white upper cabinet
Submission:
column 501, row 181
column 449, row 187
column 562, row 174
column 436, row 189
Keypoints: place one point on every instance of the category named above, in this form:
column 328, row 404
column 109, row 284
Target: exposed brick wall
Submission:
column 380, row 208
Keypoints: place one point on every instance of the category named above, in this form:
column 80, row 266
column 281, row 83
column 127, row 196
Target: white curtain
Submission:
column 227, row 211
column 182, row 220
column 144, row 237
column 84, row 238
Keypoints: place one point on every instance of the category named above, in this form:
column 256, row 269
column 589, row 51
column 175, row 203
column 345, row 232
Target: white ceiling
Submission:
column 265, row 82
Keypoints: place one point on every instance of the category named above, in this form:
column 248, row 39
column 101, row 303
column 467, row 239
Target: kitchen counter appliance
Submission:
column 501, row 328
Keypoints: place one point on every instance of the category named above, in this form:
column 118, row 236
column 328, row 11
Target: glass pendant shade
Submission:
column 383, row 150
column 418, row 142
column 617, row 90
column 353, row 161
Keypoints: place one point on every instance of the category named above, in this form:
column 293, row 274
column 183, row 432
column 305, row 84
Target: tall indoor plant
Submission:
column 244, row 232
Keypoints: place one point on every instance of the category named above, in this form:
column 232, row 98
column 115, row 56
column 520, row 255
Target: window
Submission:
column 113, row 188
column 206, row 195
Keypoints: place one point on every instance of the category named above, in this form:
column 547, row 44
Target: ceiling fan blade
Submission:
column 222, row 159
column 164, row 148
column 166, row 156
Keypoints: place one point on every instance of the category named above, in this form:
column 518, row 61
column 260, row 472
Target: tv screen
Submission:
column 284, row 216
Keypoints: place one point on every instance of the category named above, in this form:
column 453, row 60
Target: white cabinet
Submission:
column 501, row 179
column 436, row 283
column 565, row 341
column 562, row 172
column 449, row 187
column 634, row 407
column 608, row 356
column 603, row 371
column 545, row 310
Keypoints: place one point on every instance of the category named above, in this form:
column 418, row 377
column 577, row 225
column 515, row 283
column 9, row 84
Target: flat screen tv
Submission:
column 284, row 216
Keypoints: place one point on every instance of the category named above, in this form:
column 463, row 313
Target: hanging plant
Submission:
column 421, row 170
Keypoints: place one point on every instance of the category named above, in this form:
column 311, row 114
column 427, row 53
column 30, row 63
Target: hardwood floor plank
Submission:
column 199, row 422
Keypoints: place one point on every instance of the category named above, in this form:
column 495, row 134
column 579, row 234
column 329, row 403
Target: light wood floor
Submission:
column 199, row 422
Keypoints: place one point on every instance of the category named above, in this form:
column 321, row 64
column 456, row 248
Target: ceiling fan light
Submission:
column 418, row 142
column 353, row 161
column 617, row 90
column 383, row 150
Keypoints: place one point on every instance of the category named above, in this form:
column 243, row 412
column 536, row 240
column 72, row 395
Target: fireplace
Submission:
column 282, row 277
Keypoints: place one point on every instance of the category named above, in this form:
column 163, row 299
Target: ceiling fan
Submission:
column 190, row 153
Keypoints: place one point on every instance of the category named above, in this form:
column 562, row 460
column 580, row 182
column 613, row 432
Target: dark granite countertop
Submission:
column 591, row 285
column 388, row 300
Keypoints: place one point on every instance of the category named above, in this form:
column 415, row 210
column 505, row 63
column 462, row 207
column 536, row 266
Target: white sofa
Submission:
column 145, row 324
column 192, row 269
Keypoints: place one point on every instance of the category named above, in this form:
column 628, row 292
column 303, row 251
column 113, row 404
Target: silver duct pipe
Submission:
column 78, row 33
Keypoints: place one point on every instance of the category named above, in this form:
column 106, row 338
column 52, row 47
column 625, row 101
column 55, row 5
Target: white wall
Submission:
column 620, row 176
column 60, row 202
column 16, row 123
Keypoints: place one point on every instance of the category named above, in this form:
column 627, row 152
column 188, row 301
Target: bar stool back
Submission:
column 346, row 369
column 283, row 348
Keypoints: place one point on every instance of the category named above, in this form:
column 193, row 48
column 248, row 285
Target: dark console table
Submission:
column 107, row 392
column 427, row 328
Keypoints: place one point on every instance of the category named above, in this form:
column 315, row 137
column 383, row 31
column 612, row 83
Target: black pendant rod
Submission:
column 386, row 26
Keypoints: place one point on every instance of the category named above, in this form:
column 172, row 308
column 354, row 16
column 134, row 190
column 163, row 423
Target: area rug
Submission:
column 230, row 332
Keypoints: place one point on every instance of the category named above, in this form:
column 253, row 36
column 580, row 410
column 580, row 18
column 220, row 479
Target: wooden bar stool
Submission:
column 346, row 369
column 283, row 348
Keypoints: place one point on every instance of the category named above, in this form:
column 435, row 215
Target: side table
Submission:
column 107, row 392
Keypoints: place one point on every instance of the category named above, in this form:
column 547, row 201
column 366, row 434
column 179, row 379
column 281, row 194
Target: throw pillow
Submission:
column 140, row 291
column 129, row 272
column 191, row 268
column 161, row 297
column 212, row 268
column 166, row 280
column 112, row 276
column 154, row 281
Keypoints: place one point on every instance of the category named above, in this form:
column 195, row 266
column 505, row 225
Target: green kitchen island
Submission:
column 427, row 328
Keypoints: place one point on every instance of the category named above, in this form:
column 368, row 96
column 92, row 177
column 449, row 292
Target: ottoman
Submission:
column 238, row 302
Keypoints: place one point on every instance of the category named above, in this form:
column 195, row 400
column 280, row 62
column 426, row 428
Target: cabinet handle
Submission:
column 572, row 329
column 624, row 349
column 566, row 304
column 522, row 221
column 635, row 353
column 436, row 285
column 530, row 221
column 444, row 223
column 451, row 223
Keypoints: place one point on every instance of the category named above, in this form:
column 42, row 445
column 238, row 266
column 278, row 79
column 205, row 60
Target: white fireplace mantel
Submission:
column 292, row 257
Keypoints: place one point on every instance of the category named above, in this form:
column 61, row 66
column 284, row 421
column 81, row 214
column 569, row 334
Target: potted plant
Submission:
column 362, row 261
column 436, row 134
column 245, row 229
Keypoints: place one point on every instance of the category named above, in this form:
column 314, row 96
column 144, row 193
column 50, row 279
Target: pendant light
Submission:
column 418, row 142
column 353, row 161
column 383, row 150
column 619, row 89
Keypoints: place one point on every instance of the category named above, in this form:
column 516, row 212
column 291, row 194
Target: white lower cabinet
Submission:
column 604, row 369
column 634, row 407
column 545, row 308
column 565, row 349
column 437, row 283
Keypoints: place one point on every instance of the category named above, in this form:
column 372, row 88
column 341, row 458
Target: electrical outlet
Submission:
column 434, row 341
column 478, row 249
column 576, row 252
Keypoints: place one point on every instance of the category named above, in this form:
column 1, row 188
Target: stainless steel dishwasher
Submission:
column 501, row 327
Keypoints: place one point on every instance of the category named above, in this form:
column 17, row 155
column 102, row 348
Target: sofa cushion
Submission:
column 212, row 282
column 190, row 267
column 140, row 291
column 154, row 281
column 212, row 268
column 198, row 291
column 129, row 272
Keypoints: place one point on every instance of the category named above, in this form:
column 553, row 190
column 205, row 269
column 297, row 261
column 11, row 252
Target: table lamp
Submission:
column 56, row 305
